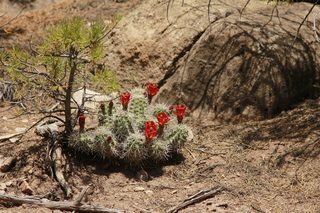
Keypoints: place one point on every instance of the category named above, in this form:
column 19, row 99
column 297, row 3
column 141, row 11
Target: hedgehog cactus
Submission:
column 105, row 143
column 178, row 135
column 157, row 108
column 136, row 133
column 159, row 150
column 134, row 148
column 121, row 125
column 83, row 142
column 138, row 106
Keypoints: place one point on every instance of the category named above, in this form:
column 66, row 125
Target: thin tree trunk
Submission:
column 68, row 117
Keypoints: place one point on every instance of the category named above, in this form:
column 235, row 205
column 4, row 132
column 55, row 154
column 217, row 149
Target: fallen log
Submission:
column 58, row 205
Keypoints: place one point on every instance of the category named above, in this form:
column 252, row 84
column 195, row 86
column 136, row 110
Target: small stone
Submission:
column 24, row 121
column 20, row 129
column 6, row 163
column 9, row 183
column 13, row 140
column 142, row 175
column 174, row 192
column 25, row 188
column 149, row 192
column 139, row 189
column 3, row 187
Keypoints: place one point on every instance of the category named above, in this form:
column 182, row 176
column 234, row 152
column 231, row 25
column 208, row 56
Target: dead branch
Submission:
column 202, row 195
column 257, row 209
column 6, row 137
column 57, row 168
column 314, row 26
column 275, row 8
column 244, row 7
column 13, row 18
column 59, row 205
column 54, row 152
column 305, row 18
column 210, row 153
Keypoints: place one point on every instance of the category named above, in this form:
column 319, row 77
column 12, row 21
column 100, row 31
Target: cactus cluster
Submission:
column 136, row 133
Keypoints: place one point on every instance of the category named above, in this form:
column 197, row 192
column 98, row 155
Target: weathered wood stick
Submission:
column 60, row 205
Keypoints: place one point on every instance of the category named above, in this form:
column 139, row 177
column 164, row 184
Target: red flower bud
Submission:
column 110, row 104
column 103, row 109
column 109, row 139
column 110, row 107
column 82, row 120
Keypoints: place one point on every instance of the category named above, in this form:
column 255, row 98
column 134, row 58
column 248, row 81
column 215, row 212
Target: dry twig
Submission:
column 202, row 195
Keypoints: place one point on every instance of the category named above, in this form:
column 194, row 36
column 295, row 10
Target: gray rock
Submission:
column 231, row 69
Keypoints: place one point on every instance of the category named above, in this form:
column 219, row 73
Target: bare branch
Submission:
column 305, row 18
column 202, row 195
column 271, row 16
column 244, row 7
column 14, row 17
column 314, row 26
column 209, row 3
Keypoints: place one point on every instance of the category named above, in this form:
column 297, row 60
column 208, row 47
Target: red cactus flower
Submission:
column 162, row 118
column 125, row 98
column 150, row 132
column 82, row 121
column 152, row 90
column 180, row 112
column 150, row 123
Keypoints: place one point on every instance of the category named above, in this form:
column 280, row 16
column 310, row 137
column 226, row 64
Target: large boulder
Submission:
column 226, row 67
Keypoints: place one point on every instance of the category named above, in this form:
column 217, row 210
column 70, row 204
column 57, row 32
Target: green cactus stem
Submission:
column 134, row 150
column 178, row 135
column 138, row 106
column 159, row 150
column 122, row 126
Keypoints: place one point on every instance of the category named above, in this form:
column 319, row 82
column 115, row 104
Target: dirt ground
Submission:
column 269, row 166
column 266, row 166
